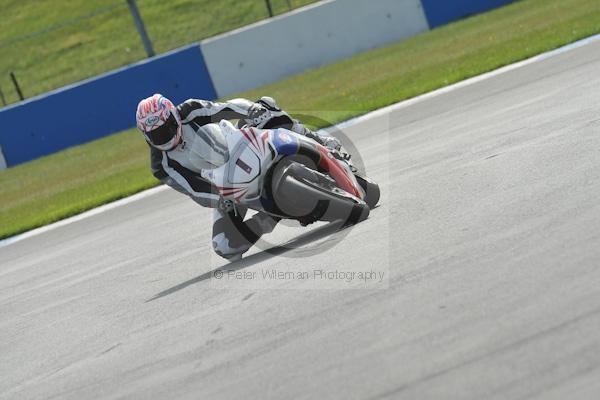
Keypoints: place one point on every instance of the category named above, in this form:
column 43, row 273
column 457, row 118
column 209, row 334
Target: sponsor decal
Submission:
column 243, row 165
column 284, row 137
column 152, row 120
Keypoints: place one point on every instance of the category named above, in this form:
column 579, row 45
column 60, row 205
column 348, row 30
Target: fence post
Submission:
column 139, row 24
column 269, row 8
column 17, row 88
column 3, row 163
column 2, row 96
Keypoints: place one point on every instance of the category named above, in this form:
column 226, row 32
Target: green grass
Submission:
column 51, row 43
column 66, row 183
column 72, row 181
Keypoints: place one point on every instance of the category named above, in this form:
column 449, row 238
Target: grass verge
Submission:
column 71, row 181
column 86, row 176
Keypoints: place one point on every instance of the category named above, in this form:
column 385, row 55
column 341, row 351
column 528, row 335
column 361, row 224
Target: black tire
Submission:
column 308, row 196
column 371, row 190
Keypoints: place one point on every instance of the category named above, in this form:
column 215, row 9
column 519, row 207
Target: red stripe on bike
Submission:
column 258, row 142
column 339, row 174
column 247, row 136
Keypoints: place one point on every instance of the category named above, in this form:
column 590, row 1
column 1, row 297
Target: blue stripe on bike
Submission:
column 285, row 142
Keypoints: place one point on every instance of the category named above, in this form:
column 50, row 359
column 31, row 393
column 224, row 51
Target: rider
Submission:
column 185, row 144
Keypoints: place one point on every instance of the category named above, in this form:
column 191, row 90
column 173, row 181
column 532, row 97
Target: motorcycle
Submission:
column 287, row 175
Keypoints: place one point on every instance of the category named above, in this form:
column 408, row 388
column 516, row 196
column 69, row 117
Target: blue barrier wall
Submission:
column 100, row 106
column 440, row 12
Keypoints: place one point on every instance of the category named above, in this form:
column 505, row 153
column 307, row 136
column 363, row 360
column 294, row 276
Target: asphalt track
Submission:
column 489, row 232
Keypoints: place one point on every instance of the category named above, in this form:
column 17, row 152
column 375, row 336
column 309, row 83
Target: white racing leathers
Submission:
column 203, row 148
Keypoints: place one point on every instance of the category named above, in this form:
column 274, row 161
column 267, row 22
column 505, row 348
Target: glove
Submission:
column 331, row 142
column 334, row 146
column 258, row 115
column 263, row 110
column 269, row 103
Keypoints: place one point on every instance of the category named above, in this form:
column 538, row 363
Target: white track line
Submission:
column 350, row 122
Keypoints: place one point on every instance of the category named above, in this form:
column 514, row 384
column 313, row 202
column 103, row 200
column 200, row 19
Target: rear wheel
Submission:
column 309, row 196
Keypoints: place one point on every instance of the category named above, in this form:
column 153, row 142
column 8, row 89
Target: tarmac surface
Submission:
column 478, row 276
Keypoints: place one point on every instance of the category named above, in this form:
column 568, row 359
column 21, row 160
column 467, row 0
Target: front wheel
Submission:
column 371, row 189
column 307, row 195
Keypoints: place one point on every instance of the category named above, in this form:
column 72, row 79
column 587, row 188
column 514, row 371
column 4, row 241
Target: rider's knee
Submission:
column 221, row 246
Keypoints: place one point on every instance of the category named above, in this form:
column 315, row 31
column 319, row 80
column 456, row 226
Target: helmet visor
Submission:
column 164, row 133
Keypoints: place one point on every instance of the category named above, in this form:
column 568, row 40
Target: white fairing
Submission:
column 251, row 153
column 247, row 166
column 240, row 179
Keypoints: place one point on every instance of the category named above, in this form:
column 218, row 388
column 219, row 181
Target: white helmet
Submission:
column 158, row 119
